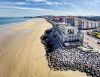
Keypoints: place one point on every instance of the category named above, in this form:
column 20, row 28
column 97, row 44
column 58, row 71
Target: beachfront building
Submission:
column 82, row 23
column 68, row 35
column 75, row 21
column 57, row 19
column 86, row 24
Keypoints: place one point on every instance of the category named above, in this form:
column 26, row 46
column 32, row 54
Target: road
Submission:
column 92, row 42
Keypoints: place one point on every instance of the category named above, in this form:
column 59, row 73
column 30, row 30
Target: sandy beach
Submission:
column 23, row 55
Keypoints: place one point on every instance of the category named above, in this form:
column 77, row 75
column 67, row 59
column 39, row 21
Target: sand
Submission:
column 23, row 55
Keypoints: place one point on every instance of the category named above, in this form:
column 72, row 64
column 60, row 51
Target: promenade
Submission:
column 92, row 41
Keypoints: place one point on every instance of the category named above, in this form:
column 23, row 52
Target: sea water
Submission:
column 8, row 20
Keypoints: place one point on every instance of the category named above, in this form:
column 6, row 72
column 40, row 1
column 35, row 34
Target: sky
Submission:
column 20, row 8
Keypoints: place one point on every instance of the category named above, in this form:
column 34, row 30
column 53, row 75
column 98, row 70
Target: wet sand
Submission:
column 23, row 55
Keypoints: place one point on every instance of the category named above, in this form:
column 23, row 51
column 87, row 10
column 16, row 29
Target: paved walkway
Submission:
column 92, row 41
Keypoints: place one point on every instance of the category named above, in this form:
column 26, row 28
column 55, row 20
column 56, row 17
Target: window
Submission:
column 87, row 24
column 70, row 31
column 91, row 25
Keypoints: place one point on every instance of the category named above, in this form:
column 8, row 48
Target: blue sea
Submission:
column 8, row 20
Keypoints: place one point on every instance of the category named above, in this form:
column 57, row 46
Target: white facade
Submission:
column 68, row 33
column 81, row 23
column 86, row 24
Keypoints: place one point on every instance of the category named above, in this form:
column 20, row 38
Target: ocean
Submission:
column 7, row 20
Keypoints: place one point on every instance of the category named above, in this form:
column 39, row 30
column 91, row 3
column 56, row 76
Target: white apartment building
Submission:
column 81, row 23
column 85, row 24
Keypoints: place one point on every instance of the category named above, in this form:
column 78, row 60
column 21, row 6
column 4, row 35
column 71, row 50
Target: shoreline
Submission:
column 15, row 23
column 23, row 55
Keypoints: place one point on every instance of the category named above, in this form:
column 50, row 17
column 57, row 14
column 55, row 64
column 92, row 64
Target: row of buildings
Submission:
column 75, row 21
column 68, row 30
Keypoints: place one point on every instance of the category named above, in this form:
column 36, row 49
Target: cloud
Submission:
column 29, row 11
column 27, row 8
column 52, row 2
column 37, row 0
column 97, row 1
column 23, row 8
column 70, row 4
column 20, row 3
column 46, row 2
column 39, row 11
column 13, row 3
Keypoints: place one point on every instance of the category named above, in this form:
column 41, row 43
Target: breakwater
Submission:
column 70, row 58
